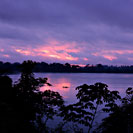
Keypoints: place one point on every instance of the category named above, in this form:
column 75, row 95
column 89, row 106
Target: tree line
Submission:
column 24, row 108
column 8, row 67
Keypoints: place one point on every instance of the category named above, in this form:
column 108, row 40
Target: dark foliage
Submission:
column 24, row 108
column 89, row 98
column 27, row 103
column 7, row 112
column 121, row 120
column 7, row 67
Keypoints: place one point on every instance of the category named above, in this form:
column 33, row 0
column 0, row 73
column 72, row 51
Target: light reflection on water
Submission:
column 60, row 85
column 65, row 83
column 119, row 82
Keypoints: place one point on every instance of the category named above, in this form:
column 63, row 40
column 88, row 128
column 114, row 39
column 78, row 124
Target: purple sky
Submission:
column 73, row 31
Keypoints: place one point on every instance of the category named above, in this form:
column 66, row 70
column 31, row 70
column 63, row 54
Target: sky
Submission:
column 73, row 31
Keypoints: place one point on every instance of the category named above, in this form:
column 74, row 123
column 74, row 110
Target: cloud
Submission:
column 75, row 31
column 53, row 49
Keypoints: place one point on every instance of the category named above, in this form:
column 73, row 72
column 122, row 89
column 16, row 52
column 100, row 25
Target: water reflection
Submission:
column 119, row 82
column 65, row 83
column 60, row 85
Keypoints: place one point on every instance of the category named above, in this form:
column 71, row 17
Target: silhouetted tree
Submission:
column 8, row 117
column 5, row 88
column 31, row 103
column 6, row 68
column 121, row 120
column 90, row 97
column 29, row 109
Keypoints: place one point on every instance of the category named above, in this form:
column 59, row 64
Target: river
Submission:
column 65, row 83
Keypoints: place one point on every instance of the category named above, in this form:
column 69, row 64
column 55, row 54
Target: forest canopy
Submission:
column 7, row 67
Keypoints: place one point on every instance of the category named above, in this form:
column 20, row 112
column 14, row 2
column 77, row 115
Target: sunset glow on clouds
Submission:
column 78, row 32
column 52, row 50
column 109, row 57
column 113, row 54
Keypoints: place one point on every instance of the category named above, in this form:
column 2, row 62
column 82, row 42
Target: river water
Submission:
column 65, row 83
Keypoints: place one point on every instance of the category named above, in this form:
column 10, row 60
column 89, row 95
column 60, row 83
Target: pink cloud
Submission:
column 6, row 55
column 95, row 54
column 118, row 51
column 52, row 50
column 112, row 54
column 24, row 52
column 69, row 57
column 131, row 59
column 85, row 59
column 110, row 57
column 1, row 50
column 55, row 56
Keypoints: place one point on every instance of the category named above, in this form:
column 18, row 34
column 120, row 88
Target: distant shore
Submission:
column 40, row 67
